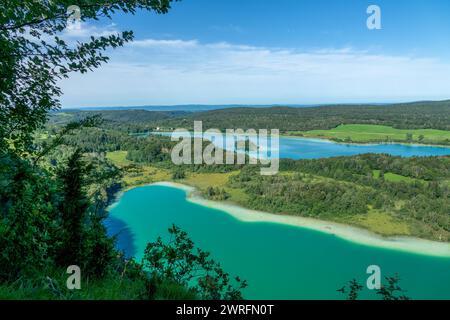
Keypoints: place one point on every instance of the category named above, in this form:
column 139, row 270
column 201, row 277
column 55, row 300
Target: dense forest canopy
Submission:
column 433, row 115
column 116, row 116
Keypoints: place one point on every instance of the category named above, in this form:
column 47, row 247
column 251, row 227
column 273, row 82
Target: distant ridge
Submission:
column 206, row 107
column 410, row 115
column 187, row 107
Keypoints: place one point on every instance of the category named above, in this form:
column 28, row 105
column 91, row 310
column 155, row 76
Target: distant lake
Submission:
column 279, row 261
column 304, row 148
column 307, row 148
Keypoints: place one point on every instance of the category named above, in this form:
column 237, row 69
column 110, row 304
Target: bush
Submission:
column 179, row 262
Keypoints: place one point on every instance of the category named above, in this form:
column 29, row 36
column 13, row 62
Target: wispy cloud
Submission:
column 169, row 71
column 227, row 28
column 152, row 43
column 83, row 30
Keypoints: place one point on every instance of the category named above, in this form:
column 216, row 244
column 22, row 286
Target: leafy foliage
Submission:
column 217, row 194
column 179, row 174
column 53, row 196
column 27, row 210
column 180, row 262
column 392, row 291
column 34, row 56
column 354, row 288
column 389, row 291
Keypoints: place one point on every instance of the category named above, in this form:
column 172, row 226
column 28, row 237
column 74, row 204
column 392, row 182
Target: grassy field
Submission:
column 137, row 174
column 112, row 287
column 392, row 177
column 376, row 133
column 379, row 222
column 218, row 180
column 119, row 158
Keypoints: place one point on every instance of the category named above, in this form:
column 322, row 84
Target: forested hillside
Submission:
column 134, row 118
column 432, row 115
column 417, row 115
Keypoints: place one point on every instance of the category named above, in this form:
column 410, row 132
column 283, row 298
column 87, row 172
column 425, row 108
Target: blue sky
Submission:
column 267, row 52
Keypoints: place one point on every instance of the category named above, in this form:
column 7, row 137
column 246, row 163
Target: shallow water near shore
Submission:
column 278, row 261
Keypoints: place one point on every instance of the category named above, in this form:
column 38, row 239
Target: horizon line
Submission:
column 255, row 105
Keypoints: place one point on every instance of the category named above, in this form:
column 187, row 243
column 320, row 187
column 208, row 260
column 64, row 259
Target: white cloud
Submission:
column 180, row 72
column 82, row 31
column 148, row 43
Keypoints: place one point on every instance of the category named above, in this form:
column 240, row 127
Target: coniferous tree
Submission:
column 73, row 210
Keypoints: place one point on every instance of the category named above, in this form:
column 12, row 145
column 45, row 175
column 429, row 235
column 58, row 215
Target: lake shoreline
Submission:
column 330, row 140
column 345, row 232
column 368, row 143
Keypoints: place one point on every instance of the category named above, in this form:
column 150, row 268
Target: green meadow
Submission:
column 377, row 133
column 393, row 177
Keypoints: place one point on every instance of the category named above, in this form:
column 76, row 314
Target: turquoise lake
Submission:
column 303, row 148
column 278, row 261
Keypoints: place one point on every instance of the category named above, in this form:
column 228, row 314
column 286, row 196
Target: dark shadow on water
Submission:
column 124, row 237
column 117, row 228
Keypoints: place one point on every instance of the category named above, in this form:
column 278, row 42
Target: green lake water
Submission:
column 278, row 261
